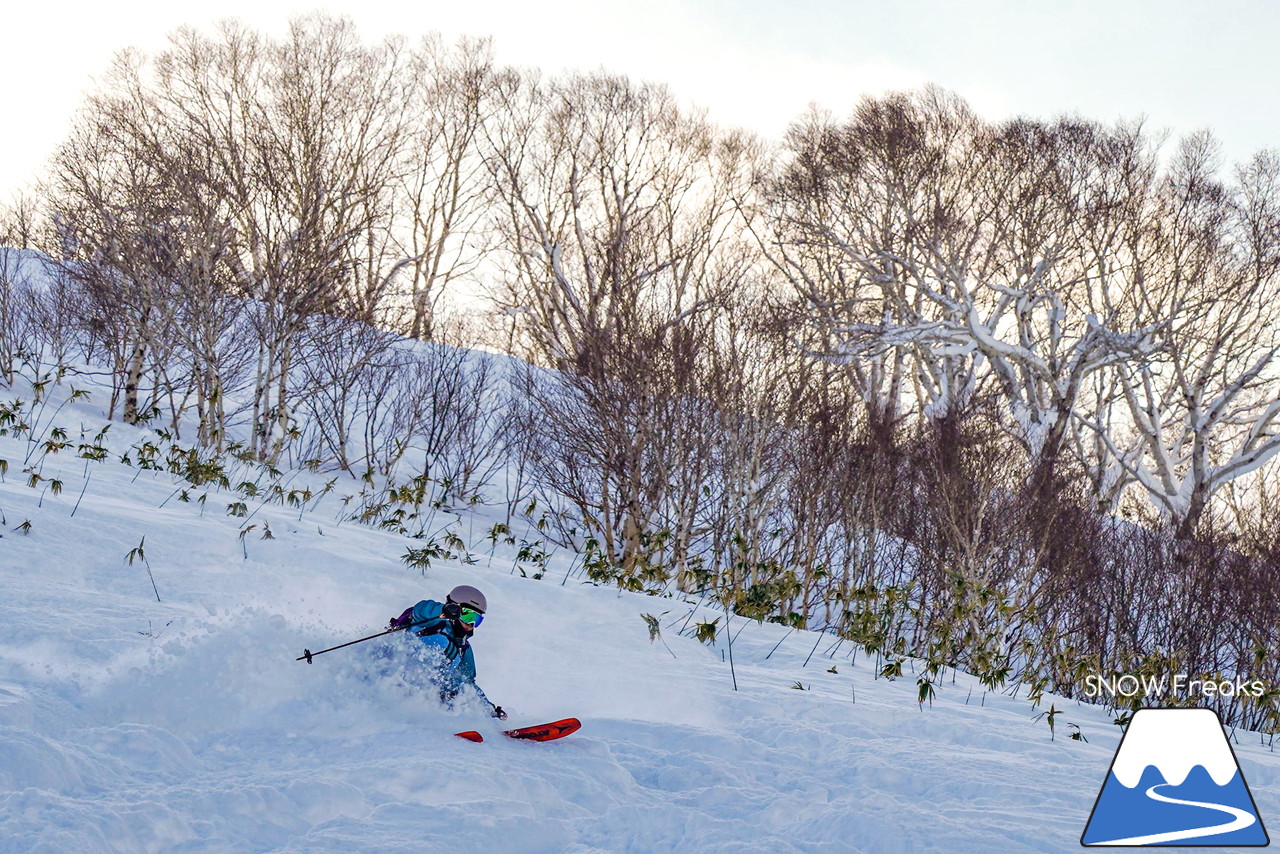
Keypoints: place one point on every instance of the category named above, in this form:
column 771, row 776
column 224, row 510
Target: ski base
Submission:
column 539, row 732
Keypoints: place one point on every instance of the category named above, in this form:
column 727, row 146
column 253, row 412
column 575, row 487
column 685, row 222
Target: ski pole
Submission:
column 307, row 654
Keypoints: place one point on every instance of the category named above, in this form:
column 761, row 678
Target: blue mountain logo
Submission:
column 1175, row 781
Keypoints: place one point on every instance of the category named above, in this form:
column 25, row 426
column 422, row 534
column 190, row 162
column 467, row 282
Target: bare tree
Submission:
column 112, row 211
column 619, row 228
column 970, row 254
column 445, row 186
column 860, row 215
column 18, row 265
column 1203, row 408
column 304, row 142
column 614, row 205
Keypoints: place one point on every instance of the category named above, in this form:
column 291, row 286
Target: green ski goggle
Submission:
column 471, row 617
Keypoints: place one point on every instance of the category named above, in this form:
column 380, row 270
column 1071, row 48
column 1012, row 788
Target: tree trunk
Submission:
column 132, row 379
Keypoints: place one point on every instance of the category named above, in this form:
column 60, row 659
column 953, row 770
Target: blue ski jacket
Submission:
column 458, row 662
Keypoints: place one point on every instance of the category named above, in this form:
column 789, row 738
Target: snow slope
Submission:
column 186, row 725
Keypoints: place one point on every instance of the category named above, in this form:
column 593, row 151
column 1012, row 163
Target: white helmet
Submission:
column 465, row 594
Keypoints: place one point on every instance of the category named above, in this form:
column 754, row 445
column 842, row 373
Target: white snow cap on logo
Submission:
column 1174, row 741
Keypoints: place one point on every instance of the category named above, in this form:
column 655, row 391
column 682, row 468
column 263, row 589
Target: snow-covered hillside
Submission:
column 186, row 725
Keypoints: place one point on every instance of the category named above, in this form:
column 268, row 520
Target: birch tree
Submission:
column 851, row 210
column 967, row 253
column 445, row 189
column 113, row 215
column 18, row 233
column 619, row 229
column 304, row 145
column 1203, row 407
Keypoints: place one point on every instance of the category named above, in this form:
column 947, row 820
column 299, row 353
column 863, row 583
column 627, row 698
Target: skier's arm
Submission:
column 467, row 670
column 426, row 614
column 497, row 711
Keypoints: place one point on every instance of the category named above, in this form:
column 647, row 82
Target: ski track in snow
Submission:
column 130, row 725
column 1239, row 821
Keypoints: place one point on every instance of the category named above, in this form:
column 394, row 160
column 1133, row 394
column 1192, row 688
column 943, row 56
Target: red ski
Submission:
column 540, row 732
column 546, row 732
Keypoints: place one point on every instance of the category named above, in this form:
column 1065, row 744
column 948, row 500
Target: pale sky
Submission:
column 749, row 62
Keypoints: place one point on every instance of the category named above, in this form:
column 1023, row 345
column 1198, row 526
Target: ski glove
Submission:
column 499, row 714
column 403, row 620
column 451, row 611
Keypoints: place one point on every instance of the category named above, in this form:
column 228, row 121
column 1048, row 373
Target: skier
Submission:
column 446, row 629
